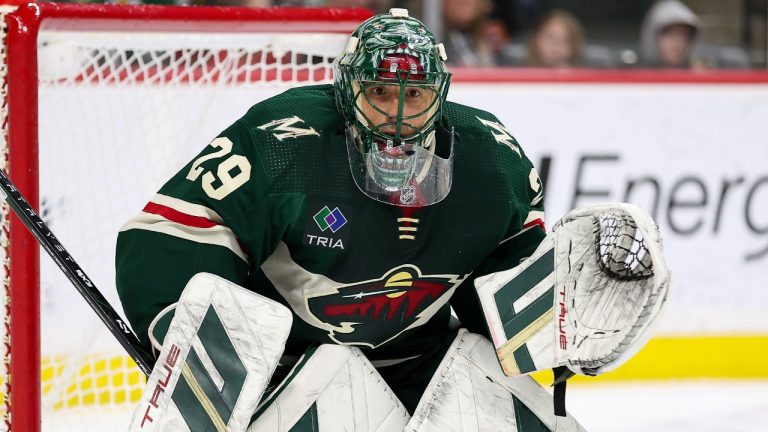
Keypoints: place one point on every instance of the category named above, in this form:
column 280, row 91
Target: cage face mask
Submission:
column 390, row 84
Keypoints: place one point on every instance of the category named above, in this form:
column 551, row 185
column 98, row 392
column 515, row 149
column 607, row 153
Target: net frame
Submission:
column 21, row 25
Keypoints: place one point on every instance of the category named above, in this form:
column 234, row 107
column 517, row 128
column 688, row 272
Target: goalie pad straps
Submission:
column 332, row 388
column 470, row 393
column 561, row 375
column 218, row 355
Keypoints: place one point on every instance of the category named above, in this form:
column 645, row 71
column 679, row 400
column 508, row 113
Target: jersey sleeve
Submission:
column 196, row 223
column 524, row 232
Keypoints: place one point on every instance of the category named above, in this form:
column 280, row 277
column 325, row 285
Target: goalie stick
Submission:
column 11, row 194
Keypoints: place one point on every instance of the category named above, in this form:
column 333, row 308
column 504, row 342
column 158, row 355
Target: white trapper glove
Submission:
column 586, row 299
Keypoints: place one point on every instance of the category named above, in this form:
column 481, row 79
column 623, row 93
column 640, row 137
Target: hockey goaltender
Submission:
column 299, row 274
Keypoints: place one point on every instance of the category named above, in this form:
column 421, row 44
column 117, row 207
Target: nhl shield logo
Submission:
column 373, row 312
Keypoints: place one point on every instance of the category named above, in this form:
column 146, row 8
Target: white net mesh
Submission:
column 204, row 59
column 118, row 114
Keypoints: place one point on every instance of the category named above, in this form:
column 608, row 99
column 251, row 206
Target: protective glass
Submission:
column 407, row 175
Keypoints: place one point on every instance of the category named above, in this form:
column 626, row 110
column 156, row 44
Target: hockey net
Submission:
column 119, row 98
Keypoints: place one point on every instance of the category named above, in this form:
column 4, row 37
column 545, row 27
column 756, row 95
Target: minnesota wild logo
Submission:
column 375, row 311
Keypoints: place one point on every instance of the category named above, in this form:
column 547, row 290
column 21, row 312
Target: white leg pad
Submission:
column 470, row 393
column 340, row 386
column 218, row 355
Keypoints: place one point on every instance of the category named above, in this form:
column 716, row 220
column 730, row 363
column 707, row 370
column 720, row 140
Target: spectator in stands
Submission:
column 557, row 41
column 472, row 38
column 518, row 15
column 669, row 35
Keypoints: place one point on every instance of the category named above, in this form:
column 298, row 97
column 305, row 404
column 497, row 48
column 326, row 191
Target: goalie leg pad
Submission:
column 221, row 348
column 470, row 393
column 332, row 388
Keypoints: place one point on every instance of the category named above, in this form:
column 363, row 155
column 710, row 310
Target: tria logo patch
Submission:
column 328, row 227
column 375, row 311
column 330, row 219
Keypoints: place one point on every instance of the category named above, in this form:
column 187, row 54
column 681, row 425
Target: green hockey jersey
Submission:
column 271, row 205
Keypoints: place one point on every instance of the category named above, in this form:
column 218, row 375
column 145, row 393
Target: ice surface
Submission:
column 685, row 406
column 671, row 406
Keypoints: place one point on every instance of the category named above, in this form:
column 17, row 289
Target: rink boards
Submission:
column 692, row 154
column 691, row 151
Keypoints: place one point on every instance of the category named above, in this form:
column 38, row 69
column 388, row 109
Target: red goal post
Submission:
column 83, row 87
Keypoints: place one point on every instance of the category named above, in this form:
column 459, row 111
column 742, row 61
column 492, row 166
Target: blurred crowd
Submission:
column 482, row 33
column 526, row 33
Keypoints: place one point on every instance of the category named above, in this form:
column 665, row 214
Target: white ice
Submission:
column 684, row 406
column 671, row 406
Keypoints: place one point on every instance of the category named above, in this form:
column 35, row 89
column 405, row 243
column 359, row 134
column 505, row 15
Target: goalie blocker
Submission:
column 585, row 300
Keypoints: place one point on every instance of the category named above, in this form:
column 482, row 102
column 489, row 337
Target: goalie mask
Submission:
column 390, row 85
